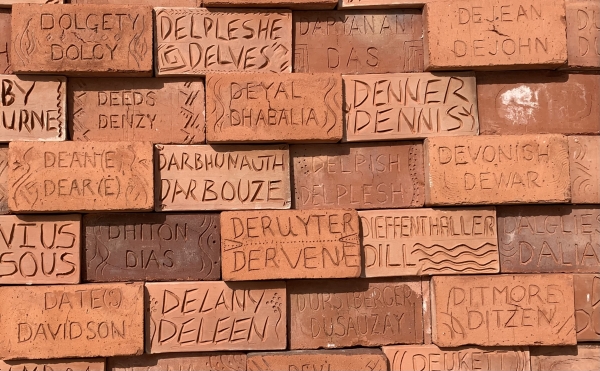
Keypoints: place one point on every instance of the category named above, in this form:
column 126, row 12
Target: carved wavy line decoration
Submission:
column 462, row 245
column 59, row 107
column 455, row 258
column 137, row 45
column 331, row 110
column 219, row 108
column 26, row 43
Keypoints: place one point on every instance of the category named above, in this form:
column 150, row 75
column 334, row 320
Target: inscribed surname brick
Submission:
column 63, row 321
column 257, row 107
column 288, row 244
column 354, row 41
column 82, row 40
column 165, row 110
column 151, row 247
column 409, row 242
column 494, row 34
column 409, row 106
column 358, row 175
column 473, row 170
column 198, row 41
column 222, row 177
column 215, row 316
column 502, row 310
column 80, row 176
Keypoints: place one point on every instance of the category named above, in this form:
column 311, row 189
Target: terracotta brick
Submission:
column 474, row 170
column 285, row 244
column 214, row 316
column 182, row 3
column 431, row 358
column 584, row 164
column 5, row 41
column 274, row 107
column 225, row 177
column 10, row 3
column 409, row 106
column 52, row 253
column 549, row 239
column 583, row 34
column 358, row 176
column 414, row 242
column 355, row 312
column 188, row 361
column 166, row 110
column 330, row 360
column 582, row 357
column 494, row 34
column 93, row 320
column 381, row 4
column 426, row 294
column 351, row 42
column 92, row 364
column 237, row 40
column 82, row 39
column 152, row 247
column 33, row 108
column 538, row 102
column 78, row 176
column 499, row 310
column 288, row 4
column 3, row 179
column 587, row 306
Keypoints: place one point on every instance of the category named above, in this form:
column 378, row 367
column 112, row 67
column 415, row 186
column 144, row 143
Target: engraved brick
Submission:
column 583, row 33
column 430, row 358
column 181, row 3
column 549, row 239
column 5, row 41
column 497, row 169
column 330, row 360
column 409, row 106
column 40, row 249
column 406, row 242
column 82, row 39
column 33, row 108
column 188, row 361
column 538, row 102
column 355, row 312
column 587, row 306
column 358, row 176
column 582, row 357
column 152, row 247
column 352, row 41
column 236, row 40
column 499, row 310
column 3, row 179
column 288, row 4
column 166, row 110
column 222, row 177
column 286, row 244
column 92, row 364
column 214, row 316
column 584, row 164
column 381, row 4
column 10, row 3
column 274, row 107
column 494, row 34
column 92, row 320
column 80, row 176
